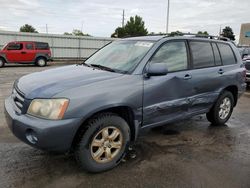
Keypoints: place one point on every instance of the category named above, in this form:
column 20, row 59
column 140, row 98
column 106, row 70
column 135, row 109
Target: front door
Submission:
column 166, row 97
column 14, row 52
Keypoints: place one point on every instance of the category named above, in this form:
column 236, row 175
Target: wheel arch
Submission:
column 234, row 90
column 4, row 58
column 126, row 112
column 40, row 56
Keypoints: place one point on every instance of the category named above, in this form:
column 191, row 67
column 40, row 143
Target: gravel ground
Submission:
column 190, row 153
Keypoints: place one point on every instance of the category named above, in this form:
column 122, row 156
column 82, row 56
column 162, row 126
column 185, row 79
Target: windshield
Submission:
column 121, row 56
column 4, row 46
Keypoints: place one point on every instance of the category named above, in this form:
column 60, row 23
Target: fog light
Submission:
column 31, row 136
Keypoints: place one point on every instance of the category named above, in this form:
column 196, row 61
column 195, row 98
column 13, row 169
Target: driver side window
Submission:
column 15, row 46
column 173, row 54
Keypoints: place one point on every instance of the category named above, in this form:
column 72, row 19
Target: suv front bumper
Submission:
column 248, row 77
column 52, row 135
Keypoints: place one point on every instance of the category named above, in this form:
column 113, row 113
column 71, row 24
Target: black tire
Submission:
column 2, row 62
column 213, row 115
column 41, row 62
column 84, row 151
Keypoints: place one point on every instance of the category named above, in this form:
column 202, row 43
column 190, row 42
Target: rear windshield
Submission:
column 42, row 46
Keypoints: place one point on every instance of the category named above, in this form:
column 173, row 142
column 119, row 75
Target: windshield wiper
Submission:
column 85, row 64
column 103, row 67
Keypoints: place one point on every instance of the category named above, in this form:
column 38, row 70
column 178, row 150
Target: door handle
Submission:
column 187, row 77
column 221, row 71
column 23, row 52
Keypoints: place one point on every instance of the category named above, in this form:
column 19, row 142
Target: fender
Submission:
column 44, row 55
column 137, row 116
column 2, row 55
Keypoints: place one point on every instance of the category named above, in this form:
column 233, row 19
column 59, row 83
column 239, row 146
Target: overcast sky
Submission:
column 101, row 17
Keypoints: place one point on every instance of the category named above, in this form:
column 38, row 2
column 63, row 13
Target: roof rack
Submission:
column 200, row 36
column 192, row 35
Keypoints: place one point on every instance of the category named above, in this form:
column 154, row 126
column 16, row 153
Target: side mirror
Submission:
column 157, row 69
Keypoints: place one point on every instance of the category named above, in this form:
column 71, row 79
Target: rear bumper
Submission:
column 51, row 135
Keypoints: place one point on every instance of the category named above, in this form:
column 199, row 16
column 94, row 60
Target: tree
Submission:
column 202, row 33
column 119, row 33
column 76, row 32
column 175, row 33
column 134, row 27
column 28, row 28
column 66, row 33
column 228, row 32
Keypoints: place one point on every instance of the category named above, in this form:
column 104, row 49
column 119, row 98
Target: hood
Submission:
column 48, row 83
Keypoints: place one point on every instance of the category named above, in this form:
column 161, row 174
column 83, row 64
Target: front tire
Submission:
column 222, row 109
column 41, row 62
column 2, row 62
column 103, row 143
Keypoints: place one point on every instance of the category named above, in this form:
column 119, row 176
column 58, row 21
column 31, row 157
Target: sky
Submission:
column 101, row 17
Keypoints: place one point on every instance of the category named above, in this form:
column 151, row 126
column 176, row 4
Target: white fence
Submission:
column 62, row 46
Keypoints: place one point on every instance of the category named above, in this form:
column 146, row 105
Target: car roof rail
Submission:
column 198, row 36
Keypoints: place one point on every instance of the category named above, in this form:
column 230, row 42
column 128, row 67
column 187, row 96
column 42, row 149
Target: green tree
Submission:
column 228, row 32
column 119, row 33
column 66, row 33
column 134, row 27
column 175, row 33
column 28, row 28
column 76, row 32
column 202, row 33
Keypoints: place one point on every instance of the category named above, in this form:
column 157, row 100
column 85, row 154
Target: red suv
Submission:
column 25, row 52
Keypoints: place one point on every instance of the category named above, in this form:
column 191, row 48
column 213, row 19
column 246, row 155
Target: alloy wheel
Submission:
column 225, row 108
column 106, row 145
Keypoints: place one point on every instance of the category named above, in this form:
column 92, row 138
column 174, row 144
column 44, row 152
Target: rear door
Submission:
column 28, row 53
column 165, row 97
column 207, row 75
column 13, row 52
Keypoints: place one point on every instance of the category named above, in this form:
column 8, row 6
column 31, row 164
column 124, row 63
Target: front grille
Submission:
column 247, row 66
column 18, row 98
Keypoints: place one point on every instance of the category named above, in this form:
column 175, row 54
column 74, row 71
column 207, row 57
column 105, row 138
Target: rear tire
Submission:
column 102, row 145
column 222, row 109
column 2, row 62
column 41, row 61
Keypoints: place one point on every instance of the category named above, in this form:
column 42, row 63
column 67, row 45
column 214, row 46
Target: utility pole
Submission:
column 167, row 24
column 123, row 18
column 82, row 26
column 47, row 28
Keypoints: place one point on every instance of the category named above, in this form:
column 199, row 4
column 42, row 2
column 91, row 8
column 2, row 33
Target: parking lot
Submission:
column 190, row 153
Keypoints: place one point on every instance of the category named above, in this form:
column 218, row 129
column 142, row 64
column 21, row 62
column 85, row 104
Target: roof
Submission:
column 146, row 38
column 27, row 41
column 188, row 36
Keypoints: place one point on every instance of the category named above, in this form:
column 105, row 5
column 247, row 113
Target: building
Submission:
column 245, row 35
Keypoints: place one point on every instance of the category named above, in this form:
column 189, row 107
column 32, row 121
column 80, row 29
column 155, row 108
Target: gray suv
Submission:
column 97, row 108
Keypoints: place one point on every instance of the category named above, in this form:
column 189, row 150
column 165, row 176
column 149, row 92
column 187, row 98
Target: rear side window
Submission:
column 42, row 46
column 15, row 46
column 216, row 54
column 202, row 54
column 173, row 54
column 227, row 54
column 29, row 46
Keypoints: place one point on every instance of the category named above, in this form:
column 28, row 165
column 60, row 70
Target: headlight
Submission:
column 53, row 109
